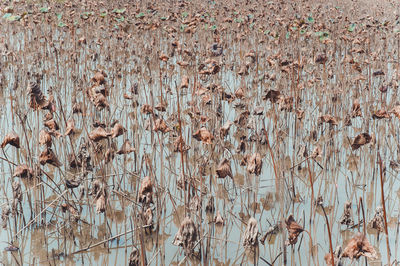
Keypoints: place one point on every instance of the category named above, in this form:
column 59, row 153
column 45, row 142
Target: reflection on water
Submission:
column 66, row 226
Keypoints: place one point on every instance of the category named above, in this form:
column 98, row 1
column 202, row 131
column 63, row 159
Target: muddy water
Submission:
column 339, row 173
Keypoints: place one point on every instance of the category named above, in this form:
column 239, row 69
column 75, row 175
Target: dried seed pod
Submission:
column 45, row 138
column 224, row 169
column 218, row 219
column 160, row 125
column 23, row 171
column 117, row 130
column 359, row 246
column 126, row 148
column 224, row 130
column 250, row 237
column 70, row 127
column 187, row 235
column 347, row 217
column 360, row 140
column 378, row 221
column 294, row 230
column 146, row 191
column 254, row 164
column 48, row 156
column 134, row 257
column 98, row 134
column 203, row 135
column 12, row 139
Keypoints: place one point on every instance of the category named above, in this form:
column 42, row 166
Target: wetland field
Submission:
column 199, row 132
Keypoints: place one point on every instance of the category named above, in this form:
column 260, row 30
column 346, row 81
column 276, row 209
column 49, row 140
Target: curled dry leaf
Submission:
column 126, row 148
column 359, row 246
column 380, row 114
column 160, row 125
column 273, row 96
column 65, row 207
column 396, row 111
column 180, row 145
column 378, row 221
column 23, row 171
column 250, row 237
column 73, row 161
column 146, row 191
column 224, row 130
column 317, row 152
column 164, row 57
column 12, row 139
column 360, row 140
column 254, row 164
column 48, row 156
column 70, row 127
column 321, row 59
column 328, row 119
column 186, row 236
column 239, row 93
column 209, row 67
column 98, row 134
column 347, row 217
column 99, row 77
column 294, row 230
column 210, row 205
column 5, row 212
column 184, row 82
column 101, row 204
column 336, row 257
column 146, row 109
column 356, row 109
column 51, row 124
column 224, row 169
column 203, row 135
column 134, row 257
column 218, row 219
column 272, row 230
column 37, row 99
column 117, row 130
column 97, row 95
column 109, row 156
